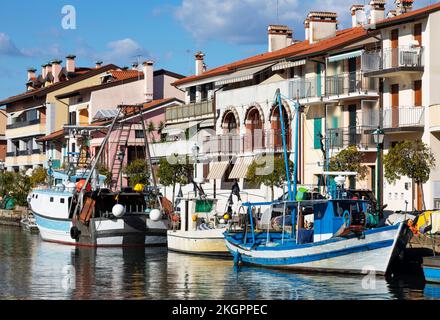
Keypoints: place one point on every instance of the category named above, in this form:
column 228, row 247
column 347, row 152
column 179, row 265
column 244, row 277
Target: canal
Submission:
column 33, row 269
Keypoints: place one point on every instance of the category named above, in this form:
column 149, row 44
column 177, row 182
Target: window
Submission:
column 205, row 91
column 72, row 118
column 51, row 199
column 418, row 33
column 62, row 200
column 139, row 134
column 192, row 94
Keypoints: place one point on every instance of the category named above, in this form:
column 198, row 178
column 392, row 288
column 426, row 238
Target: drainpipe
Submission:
column 214, row 109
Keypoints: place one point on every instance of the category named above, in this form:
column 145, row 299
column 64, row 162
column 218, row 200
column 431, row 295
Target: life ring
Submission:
column 347, row 219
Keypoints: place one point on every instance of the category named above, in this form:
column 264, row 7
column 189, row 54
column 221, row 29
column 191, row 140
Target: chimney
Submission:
column 48, row 68
column 134, row 66
column 357, row 15
column 279, row 37
column 322, row 25
column 44, row 71
column 403, row 6
column 200, row 56
column 391, row 13
column 56, row 70
column 31, row 73
column 148, row 69
column 307, row 28
column 98, row 64
column 377, row 11
column 70, row 63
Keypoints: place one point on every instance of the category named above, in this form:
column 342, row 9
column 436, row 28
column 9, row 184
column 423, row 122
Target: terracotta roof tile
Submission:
column 125, row 74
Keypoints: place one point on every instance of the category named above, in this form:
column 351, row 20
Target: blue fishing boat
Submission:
column 342, row 233
column 431, row 269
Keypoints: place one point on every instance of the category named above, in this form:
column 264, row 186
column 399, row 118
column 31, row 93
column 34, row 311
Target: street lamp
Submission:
column 378, row 137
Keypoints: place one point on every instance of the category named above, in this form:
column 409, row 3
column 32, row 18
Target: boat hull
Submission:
column 201, row 242
column 431, row 269
column 101, row 232
column 372, row 252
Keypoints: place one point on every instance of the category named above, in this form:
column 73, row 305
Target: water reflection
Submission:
column 32, row 269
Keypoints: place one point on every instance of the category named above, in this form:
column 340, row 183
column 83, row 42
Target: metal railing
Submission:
column 22, row 124
column 403, row 116
column 192, row 110
column 389, row 58
column 350, row 83
column 304, row 87
column 350, row 136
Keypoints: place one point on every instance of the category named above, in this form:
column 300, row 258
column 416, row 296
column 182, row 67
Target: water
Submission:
column 33, row 269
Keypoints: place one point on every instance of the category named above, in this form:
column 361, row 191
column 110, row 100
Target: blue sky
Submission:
column 169, row 32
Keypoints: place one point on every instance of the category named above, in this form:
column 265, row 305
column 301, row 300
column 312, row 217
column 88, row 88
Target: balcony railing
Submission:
column 304, row 88
column 193, row 110
column 19, row 153
column 397, row 117
column 259, row 141
column 23, row 124
column 349, row 83
column 351, row 136
column 391, row 58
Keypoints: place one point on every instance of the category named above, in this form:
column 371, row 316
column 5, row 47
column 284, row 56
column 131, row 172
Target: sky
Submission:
column 169, row 32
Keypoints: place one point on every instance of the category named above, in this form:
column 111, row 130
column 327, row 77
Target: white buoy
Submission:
column 118, row 210
column 71, row 187
column 222, row 221
column 155, row 215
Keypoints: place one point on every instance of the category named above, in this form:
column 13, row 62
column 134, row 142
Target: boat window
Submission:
column 51, row 199
column 62, row 200
column 36, row 197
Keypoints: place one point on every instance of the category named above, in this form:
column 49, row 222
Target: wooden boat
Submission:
column 431, row 269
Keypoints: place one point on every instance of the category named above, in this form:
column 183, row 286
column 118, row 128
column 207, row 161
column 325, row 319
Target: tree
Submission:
column 179, row 171
column 270, row 173
column 150, row 129
column 39, row 176
column 160, row 129
column 413, row 159
column 349, row 159
column 21, row 188
column 138, row 172
column 103, row 170
column 6, row 182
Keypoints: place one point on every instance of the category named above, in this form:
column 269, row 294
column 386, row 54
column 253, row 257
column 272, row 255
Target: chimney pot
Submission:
column 279, row 37
column 403, row 6
column 98, row 64
column 56, row 70
column 322, row 25
column 148, row 69
column 358, row 15
column 200, row 57
column 70, row 63
column 377, row 11
column 31, row 73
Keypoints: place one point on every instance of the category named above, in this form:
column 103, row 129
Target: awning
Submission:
column 17, row 114
column 242, row 75
column 345, row 56
column 288, row 64
column 218, row 169
column 241, row 168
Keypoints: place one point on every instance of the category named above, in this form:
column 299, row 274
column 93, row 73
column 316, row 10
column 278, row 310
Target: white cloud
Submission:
column 124, row 50
column 246, row 21
column 7, row 46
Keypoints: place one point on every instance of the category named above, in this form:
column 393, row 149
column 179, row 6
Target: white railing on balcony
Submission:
column 403, row 117
column 192, row 110
column 340, row 138
column 304, row 88
column 349, row 83
column 389, row 58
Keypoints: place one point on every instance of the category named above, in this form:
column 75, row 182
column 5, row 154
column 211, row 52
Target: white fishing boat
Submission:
column 79, row 211
column 199, row 229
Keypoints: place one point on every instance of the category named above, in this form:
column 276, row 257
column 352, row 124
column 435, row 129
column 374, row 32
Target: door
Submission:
column 395, row 105
column 352, row 125
column 418, row 33
column 395, row 48
column 418, row 93
column 352, row 75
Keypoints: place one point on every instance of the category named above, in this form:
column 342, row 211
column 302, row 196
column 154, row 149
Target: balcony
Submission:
column 349, row 85
column 393, row 61
column 232, row 145
column 193, row 111
column 341, row 138
column 22, row 124
column 307, row 90
column 403, row 119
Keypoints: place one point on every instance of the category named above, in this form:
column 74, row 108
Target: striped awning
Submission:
column 345, row 56
column 288, row 64
column 241, row 168
column 218, row 169
column 242, row 75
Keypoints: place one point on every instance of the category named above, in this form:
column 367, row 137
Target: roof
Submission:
column 53, row 136
column 125, row 74
column 84, row 74
column 304, row 49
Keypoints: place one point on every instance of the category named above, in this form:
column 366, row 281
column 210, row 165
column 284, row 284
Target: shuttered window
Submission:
column 317, row 131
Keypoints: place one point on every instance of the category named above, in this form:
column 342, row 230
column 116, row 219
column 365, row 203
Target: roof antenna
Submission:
column 278, row 11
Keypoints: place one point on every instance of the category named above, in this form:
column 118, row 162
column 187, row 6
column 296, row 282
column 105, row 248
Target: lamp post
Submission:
column 121, row 155
column 378, row 137
column 195, row 152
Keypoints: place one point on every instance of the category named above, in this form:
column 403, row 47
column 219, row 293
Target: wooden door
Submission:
column 418, row 93
column 395, row 48
column 395, row 105
column 418, row 33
